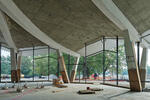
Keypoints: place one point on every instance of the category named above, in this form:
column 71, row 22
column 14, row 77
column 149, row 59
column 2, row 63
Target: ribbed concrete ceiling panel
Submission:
column 69, row 22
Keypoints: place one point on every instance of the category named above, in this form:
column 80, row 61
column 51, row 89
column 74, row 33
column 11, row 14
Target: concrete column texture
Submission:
column 63, row 70
column 19, row 66
column 74, row 70
column 133, row 71
column 143, row 65
column 13, row 66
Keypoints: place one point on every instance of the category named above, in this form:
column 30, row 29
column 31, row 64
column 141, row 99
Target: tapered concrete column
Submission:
column 13, row 66
column 74, row 70
column 134, row 77
column 19, row 66
column 143, row 65
column 63, row 70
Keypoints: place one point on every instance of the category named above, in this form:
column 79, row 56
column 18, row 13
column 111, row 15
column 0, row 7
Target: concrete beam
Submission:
column 63, row 70
column 74, row 70
column 133, row 71
column 5, row 31
column 143, row 66
column 103, row 7
column 117, row 17
column 9, row 7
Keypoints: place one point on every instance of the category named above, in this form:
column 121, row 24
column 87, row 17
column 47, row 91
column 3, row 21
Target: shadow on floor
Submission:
column 120, row 94
column 146, row 90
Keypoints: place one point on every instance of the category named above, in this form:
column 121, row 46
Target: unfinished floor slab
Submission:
column 70, row 93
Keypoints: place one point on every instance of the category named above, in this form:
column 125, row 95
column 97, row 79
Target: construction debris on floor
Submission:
column 57, row 91
column 89, row 90
column 146, row 90
column 19, row 89
column 25, row 85
column 5, row 87
column 58, row 83
column 94, row 89
column 40, row 86
column 86, row 92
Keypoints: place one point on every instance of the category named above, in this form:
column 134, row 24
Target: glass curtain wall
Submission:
column 54, row 65
column 39, row 64
column 94, row 64
column 41, row 67
column 103, row 67
column 27, row 65
column 5, row 64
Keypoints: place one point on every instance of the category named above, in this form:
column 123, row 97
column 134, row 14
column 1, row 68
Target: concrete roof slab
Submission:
column 60, row 20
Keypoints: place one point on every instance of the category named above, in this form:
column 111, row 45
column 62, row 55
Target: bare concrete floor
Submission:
column 70, row 93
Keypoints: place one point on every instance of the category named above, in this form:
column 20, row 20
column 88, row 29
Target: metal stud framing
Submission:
column 138, row 53
column 48, row 62
column 103, row 59
column 0, row 62
column 33, row 63
column 85, row 63
column 117, row 64
column 58, row 68
column 68, row 67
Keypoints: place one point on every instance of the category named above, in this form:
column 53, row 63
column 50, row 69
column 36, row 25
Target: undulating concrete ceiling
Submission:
column 137, row 11
column 21, row 38
column 69, row 22
column 2, row 40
